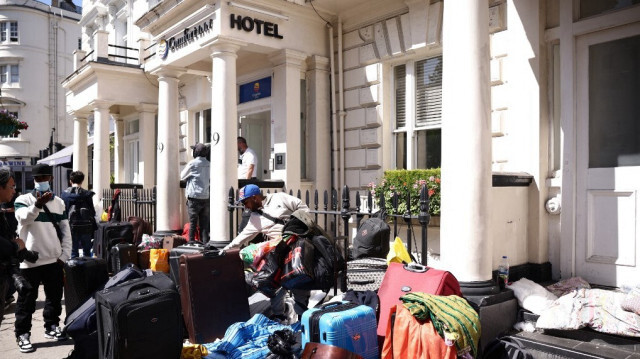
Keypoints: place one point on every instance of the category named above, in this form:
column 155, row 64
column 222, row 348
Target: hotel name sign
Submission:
column 189, row 35
column 250, row 24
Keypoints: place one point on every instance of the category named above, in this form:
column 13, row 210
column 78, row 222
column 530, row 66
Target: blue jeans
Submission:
column 198, row 210
column 81, row 241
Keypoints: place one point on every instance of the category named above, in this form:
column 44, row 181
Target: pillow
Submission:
column 532, row 296
column 631, row 303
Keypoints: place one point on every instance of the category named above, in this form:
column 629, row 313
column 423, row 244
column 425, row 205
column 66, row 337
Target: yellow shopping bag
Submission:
column 159, row 260
column 398, row 253
column 194, row 351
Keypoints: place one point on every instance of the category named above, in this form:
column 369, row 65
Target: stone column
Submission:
column 285, row 113
column 168, row 184
column 466, row 248
column 147, row 137
column 118, row 150
column 319, row 122
column 224, row 131
column 80, row 147
column 101, row 156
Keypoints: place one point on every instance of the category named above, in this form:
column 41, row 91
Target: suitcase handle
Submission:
column 415, row 267
column 212, row 253
column 332, row 304
column 367, row 281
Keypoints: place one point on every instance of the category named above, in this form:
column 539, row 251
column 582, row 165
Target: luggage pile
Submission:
column 197, row 306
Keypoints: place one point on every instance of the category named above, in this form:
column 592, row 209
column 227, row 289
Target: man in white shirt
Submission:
column 248, row 162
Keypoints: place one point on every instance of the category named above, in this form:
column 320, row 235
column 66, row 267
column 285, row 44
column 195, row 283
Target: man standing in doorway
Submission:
column 44, row 227
column 248, row 162
column 197, row 173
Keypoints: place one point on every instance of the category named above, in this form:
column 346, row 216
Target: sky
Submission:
column 48, row 2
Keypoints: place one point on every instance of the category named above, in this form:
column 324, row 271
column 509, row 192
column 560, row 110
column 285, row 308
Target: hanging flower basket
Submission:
column 10, row 125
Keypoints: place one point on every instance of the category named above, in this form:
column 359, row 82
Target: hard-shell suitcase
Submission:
column 324, row 351
column 83, row 277
column 346, row 325
column 122, row 254
column 174, row 256
column 403, row 278
column 108, row 235
column 213, row 294
column 140, row 319
column 365, row 273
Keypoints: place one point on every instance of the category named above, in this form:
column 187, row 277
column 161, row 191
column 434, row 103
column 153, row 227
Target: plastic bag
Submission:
column 266, row 279
column 398, row 253
column 150, row 242
column 298, row 267
column 159, row 260
column 253, row 253
column 193, row 351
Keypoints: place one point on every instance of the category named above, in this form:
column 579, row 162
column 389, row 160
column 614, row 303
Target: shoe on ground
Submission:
column 55, row 333
column 8, row 301
column 24, row 343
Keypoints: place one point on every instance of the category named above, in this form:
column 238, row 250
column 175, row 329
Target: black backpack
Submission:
column 372, row 239
column 81, row 212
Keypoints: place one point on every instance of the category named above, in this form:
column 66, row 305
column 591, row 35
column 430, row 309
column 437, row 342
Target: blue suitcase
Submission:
column 346, row 325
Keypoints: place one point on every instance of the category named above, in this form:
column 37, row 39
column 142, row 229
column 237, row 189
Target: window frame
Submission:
column 9, row 32
column 7, row 73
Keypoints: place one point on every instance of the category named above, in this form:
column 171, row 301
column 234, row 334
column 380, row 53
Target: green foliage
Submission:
column 409, row 182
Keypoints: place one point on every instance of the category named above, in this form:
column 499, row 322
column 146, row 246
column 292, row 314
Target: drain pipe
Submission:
column 334, row 122
column 341, row 113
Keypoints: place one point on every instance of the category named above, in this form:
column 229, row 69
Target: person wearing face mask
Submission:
column 44, row 226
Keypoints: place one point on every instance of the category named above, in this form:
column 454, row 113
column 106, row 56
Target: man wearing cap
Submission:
column 44, row 227
column 268, row 215
column 196, row 173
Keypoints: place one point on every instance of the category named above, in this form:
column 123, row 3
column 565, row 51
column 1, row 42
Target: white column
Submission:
column 466, row 248
column 101, row 157
column 319, row 122
column 80, row 148
column 285, row 113
column 168, row 184
column 224, row 131
column 118, row 151
column 147, row 137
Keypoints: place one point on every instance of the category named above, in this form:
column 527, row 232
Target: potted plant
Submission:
column 9, row 124
column 409, row 182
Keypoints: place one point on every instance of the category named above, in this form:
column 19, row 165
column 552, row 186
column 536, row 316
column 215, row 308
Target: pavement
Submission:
column 45, row 348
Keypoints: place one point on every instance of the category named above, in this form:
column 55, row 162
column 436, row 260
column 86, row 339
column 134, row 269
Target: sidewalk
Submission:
column 45, row 348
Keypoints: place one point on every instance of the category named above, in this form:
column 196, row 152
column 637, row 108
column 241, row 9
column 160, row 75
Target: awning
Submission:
column 63, row 156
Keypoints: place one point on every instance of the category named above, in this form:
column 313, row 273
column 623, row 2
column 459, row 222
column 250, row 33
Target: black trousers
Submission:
column 52, row 278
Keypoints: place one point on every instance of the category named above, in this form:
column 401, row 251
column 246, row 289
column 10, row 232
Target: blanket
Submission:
column 594, row 308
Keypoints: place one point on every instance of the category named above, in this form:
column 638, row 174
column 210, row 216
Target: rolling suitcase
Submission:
column 365, row 273
column 140, row 319
column 174, row 256
column 324, row 351
column 108, row 235
column 346, row 325
column 403, row 278
column 144, row 259
column 122, row 254
column 213, row 294
column 83, row 277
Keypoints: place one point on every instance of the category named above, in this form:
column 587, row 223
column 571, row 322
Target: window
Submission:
column 418, row 113
column 203, row 126
column 9, row 31
column 9, row 74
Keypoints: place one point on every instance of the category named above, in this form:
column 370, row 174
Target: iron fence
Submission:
column 134, row 200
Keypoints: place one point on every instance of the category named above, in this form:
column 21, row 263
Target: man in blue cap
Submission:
column 268, row 216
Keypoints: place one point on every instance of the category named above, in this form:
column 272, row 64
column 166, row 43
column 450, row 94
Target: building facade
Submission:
column 36, row 53
column 333, row 93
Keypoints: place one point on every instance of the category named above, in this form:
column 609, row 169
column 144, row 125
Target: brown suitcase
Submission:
column 324, row 351
column 144, row 259
column 171, row 242
column 213, row 293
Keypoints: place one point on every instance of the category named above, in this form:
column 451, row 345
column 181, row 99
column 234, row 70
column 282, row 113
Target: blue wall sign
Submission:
column 255, row 90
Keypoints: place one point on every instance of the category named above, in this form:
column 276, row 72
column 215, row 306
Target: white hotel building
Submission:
column 36, row 53
column 541, row 90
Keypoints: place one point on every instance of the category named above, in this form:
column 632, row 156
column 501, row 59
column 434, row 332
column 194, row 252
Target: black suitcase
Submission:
column 122, row 254
column 366, row 273
column 83, row 277
column 174, row 256
column 140, row 319
column 108, row 235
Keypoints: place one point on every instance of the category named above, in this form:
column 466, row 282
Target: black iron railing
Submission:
column 135, row 60
column 134, row 200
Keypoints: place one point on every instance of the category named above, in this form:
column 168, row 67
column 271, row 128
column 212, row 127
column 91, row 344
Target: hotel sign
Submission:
column 189, row 35
column 250, row 24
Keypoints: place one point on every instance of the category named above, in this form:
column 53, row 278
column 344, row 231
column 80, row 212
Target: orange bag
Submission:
column 159, row 260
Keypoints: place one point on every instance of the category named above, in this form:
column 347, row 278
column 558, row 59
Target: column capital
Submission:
column 147, row 107
column 317, row 62
column 224, row 46
column 79, row 115
column 169, row 72
column 289, row 57
column 100, row 104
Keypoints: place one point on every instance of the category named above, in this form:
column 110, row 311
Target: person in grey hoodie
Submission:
column 196, row 174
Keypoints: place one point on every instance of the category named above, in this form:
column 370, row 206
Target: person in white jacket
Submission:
column 49, row 234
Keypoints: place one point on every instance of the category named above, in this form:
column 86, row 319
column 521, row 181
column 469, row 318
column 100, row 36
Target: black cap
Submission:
column 41, row 169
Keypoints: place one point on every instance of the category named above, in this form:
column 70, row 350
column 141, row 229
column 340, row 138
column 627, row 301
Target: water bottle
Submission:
column 503, row 272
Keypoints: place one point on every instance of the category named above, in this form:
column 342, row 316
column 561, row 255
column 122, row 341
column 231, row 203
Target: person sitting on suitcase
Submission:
column 43, row 224
column 197, row 173
column 82, row 214
column 268, row 216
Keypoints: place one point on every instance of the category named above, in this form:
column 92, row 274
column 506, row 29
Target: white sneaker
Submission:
column 55, row 333
column 24, row 343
